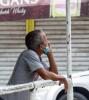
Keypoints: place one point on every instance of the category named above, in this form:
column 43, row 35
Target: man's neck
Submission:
column 38, row 52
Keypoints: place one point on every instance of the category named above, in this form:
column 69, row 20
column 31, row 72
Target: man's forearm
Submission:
column 59, row 78
column 53, row 66
column 52, row 76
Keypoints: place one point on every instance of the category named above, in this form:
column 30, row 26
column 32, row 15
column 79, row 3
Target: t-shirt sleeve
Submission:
column 33, row 62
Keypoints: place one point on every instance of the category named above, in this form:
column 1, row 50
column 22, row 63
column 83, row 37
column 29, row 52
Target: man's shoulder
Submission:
column 29, row 53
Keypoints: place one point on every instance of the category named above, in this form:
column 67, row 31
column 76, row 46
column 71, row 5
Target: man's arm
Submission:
column 52, row 76
column 52, row 63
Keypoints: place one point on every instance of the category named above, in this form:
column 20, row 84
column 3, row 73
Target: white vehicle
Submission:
column 56, row 92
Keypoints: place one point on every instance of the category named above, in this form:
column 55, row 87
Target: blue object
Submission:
column 46, row 50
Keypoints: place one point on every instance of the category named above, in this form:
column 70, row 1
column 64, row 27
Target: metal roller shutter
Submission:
column 56, row 32
column 11, row 44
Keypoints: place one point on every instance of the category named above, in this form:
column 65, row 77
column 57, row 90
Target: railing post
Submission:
column 69, row 50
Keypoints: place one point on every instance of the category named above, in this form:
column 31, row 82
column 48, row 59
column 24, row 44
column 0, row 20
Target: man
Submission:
column 30, row 66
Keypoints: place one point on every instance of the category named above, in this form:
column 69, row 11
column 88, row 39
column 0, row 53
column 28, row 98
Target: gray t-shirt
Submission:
column 26, row 66
column 24, row 72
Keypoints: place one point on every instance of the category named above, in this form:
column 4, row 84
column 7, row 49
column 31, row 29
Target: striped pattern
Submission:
column 56, row 32
column 11, row 44
column 12, row 36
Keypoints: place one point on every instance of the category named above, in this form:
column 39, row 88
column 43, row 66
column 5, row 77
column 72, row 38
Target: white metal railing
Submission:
column 28, row 86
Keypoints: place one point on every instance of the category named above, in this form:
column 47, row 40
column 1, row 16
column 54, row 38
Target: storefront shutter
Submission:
column 11, row 44
column 12, row 36
column 55, row 29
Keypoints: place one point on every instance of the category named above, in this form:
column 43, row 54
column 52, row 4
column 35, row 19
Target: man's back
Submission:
column 25, row 68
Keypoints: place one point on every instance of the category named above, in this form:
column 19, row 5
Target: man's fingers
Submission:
column 60, row 83
column 66, row 85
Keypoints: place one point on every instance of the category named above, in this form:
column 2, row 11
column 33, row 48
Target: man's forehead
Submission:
column 42, row 33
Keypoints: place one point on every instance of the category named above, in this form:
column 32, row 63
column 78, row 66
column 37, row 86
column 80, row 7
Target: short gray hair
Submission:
column 33, row 39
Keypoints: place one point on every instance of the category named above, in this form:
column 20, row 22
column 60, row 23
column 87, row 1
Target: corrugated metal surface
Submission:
column 11, row 44
column 56, row 32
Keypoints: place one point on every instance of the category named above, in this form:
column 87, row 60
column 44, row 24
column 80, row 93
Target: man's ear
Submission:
column 41, row 46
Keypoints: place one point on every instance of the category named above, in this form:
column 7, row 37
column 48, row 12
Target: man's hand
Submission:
column 63, row 81
column 55, row 77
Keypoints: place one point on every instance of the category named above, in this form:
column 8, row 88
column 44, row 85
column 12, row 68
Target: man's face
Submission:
column 44, row 39
column 45, row 42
